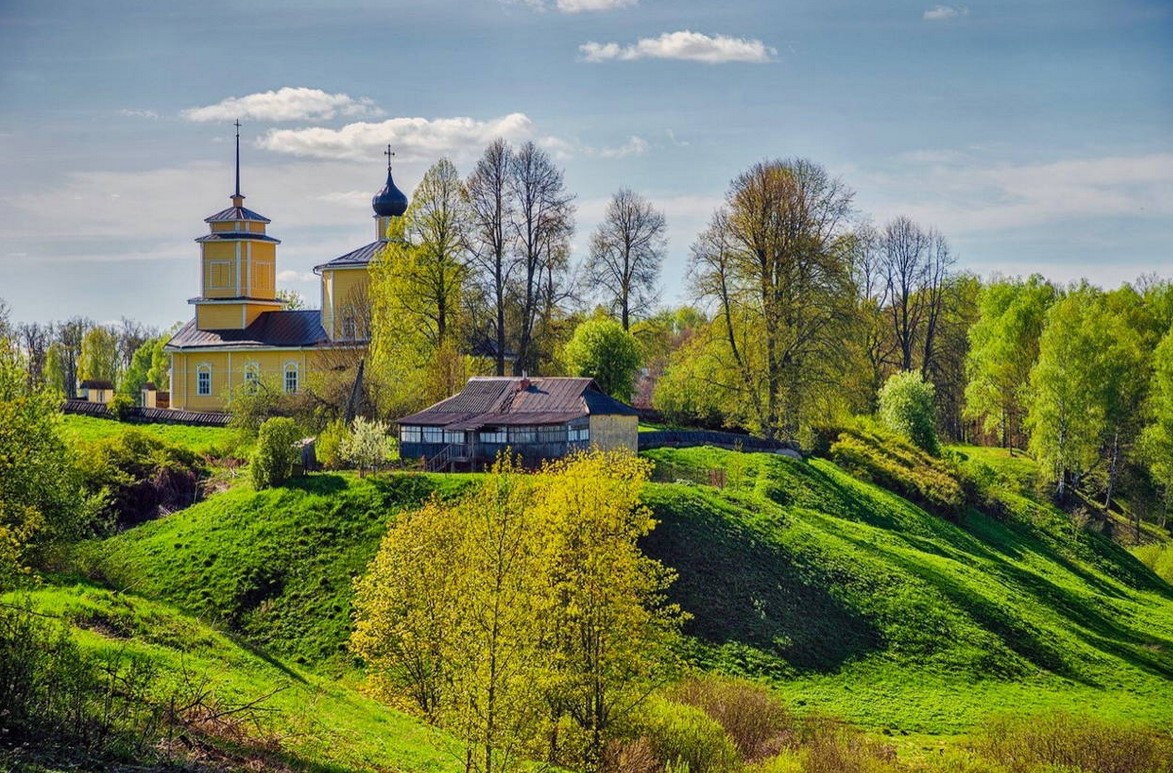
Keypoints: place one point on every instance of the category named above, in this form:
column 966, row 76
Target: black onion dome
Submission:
column 389, row 202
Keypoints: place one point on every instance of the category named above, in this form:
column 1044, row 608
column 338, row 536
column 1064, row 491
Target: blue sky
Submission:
column 1037, row 136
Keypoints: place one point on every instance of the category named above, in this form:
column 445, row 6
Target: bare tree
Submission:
column 491, row 237
column 543, row 223
column 35, row 338
column 131, row 335
column 916, row 264
column 70, row 334
column 874, row 337
column 626, row 252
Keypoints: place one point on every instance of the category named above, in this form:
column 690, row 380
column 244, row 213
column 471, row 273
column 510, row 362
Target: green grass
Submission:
column 848, row 598
column 310, row 722
column 78, row 430
column 843, row 596
column 276, row 566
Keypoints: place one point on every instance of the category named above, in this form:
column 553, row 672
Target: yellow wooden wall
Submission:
column 612, row 432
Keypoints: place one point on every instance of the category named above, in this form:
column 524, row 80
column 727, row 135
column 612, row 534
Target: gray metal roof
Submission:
column 488, row 400
column 231, row 236
column 298, row 329
column 360, row 257
column 236, row 213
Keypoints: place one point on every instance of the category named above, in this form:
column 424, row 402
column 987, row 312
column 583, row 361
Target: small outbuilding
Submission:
column 96, row 391
column 538, row 419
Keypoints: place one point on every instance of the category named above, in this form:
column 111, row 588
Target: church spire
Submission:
column 237, row 197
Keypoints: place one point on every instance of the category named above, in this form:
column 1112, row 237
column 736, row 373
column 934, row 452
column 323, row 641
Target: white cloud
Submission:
column 961, row 194
column 684, row 45
column 285, row 104
column 635, row 146
column 130, row 113
column 943, row 12
column 579, row 6
column 410, row 138
column 296, row 276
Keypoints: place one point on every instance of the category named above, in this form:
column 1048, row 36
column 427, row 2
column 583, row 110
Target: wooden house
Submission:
column 538, row 419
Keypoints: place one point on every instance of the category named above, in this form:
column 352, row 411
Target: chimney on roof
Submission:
column 524, row 383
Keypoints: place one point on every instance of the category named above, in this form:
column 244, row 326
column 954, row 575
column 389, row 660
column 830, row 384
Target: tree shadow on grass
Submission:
column 739, row 588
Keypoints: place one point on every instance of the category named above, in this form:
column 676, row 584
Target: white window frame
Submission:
column 495, row 435
column 454, row 437
column 203, row 385
column 579, row 434
column 411, row 434
column 291, row 369
column 434, row 435
column 252, row 377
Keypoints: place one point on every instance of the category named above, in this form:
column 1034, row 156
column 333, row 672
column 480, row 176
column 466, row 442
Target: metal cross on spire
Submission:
column 237, row 125
column 388, row 153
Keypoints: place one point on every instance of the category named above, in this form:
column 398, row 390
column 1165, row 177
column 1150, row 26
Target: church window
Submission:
column 204, row 380
column 252, row 377
column 291, row 377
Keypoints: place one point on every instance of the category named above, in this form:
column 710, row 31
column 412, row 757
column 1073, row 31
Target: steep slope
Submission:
column 848, row 597
column 301, row 721
column 845, row 596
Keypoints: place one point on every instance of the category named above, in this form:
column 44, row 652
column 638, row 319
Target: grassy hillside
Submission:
column 218, row 441
column 275, row 566
column 843, row 595
column 307, row 722
column 851, row 599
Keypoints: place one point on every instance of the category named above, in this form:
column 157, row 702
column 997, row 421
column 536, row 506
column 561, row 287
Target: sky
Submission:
column 1036, row 136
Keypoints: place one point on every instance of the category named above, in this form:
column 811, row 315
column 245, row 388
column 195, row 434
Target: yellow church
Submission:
column 243, row 335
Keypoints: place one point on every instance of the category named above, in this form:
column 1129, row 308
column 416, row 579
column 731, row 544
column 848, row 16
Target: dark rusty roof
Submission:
column 95, row 383
column 360, row 257
column 300, row 328
column 236, row 213
column 487, row 400
column 232, row 236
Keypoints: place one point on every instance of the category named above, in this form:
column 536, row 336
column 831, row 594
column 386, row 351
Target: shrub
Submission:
column 880, row 456
column 601, row 349
column 685, row 735
column 367, row 446
column 136, row 476
column 759, row 723
column 906, row 407
column 120, row 406
column 832, row 747
column 328, row 446
column 273, row 461
column 1157, row 556
column 1075, row 743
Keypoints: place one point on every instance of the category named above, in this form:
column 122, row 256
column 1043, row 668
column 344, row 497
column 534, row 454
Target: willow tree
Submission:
column 416, row 286
column 776, row 261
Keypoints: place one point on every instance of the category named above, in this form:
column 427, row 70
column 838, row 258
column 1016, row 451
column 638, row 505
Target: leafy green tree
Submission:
column 272, row 462
column 776, row 260
column 601, row 349
column 55, row 376
column 367, row 446
column 1066, row 413
column 1156, row 441
column 417, row 288
column 40, row 495
column 149, row 363
column 524, row 613
column 99, row 358
column 292, row 299
column 907, row 408
column 1004, row 344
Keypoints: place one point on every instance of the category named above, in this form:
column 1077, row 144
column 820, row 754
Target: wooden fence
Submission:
column 148, row 415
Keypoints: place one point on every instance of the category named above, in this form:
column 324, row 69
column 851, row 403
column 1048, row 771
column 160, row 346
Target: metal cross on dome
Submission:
column 388, row 153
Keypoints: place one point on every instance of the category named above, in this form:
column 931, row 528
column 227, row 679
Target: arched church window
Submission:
column 203, row 379
column 291, row 377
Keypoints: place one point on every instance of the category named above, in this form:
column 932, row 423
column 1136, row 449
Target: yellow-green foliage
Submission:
column 272, row 462
column 529, row 593
column 680, row 734
column 893, row 462
column 328, row 445
column 1065, row 742
column 1157, row 556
